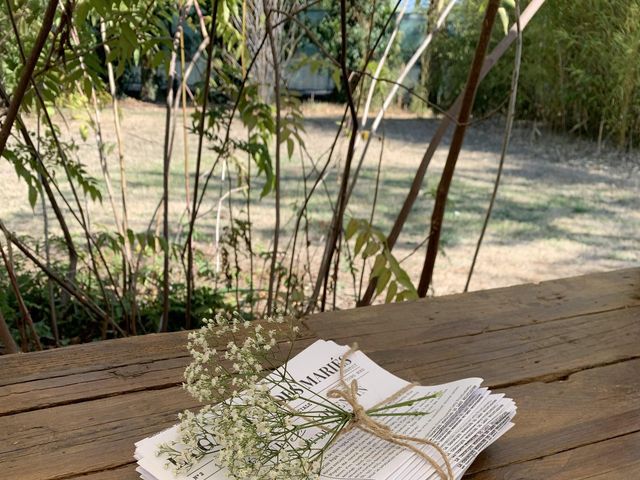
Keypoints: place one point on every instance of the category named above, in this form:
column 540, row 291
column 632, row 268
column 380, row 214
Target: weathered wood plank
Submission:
column 75, row 387
column 120, row 473
column 618, row 458
column 98, row 356
column 84, row 437
column 437, row 318
column 91, row 357
column 590, row 406
column 539, row 351
column 483, row 311
column 610, row 459
column 566, row 351
column 47, row 392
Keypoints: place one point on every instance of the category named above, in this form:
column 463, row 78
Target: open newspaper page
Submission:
column 464, row 419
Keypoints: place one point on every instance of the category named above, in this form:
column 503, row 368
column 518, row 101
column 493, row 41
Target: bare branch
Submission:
column 24, row 311
column 201, row 126
column 418, row 179
column 6, row 338
column 276, row 88
column 456, row 145
column 505, row 142
column 27, row 71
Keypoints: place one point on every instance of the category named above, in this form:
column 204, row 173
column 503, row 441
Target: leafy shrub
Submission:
column 580, row 69
column 72, row 321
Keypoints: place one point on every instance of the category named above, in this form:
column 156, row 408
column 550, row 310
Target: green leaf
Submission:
column 33, row 195
column 336, row 76
column 391, row 293
column 290, row 147
column 402, row 277
column 142, row 240
column 131, row 236
column 378, row 265
column 410, row 295
column 352, row 228
column 383, row 279
column 84, row 132
column 128, row 35
column 504, row 19
column 393, row 263
column 370, row 249
column 360, row 241
column 10, row 155
column 164, row 246
column 404, row 280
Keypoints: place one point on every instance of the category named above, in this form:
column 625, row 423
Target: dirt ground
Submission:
column 562, row 209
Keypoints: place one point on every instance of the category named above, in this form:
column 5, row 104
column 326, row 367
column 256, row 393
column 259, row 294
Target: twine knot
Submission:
column 362, row 420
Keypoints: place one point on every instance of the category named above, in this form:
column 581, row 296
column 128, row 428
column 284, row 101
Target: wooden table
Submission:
column 568, row 352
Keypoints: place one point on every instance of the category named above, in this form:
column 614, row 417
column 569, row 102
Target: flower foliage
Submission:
column 253, row 432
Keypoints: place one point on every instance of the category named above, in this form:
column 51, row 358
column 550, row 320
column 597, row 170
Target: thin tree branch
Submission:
column 6, row 338
column 505, row 142
column 276, row 89
column 456, row 145
column 336, row 223
column 308, row 196
column 196, row 184
column 81, row 296
column 81, row 220
column 164, row 323
column 27, row 71
column 394, row 90
column 46, row 177
column 127, row 285
column 24, row 311
column 418, row 179
column 381, row 62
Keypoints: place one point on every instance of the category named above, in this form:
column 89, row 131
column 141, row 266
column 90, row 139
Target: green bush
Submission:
column 580, row 70
column 74, row 324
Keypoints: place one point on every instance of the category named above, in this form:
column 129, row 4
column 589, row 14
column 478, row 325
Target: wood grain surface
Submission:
column 567, row 351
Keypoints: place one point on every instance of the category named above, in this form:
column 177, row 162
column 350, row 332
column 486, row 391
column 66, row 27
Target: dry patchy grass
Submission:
column 562, row 209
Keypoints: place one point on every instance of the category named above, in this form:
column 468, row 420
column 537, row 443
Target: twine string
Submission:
column 360, row 419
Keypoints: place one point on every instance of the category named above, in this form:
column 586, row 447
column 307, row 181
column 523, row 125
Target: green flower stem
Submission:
column 406, row 403
column 399, row 414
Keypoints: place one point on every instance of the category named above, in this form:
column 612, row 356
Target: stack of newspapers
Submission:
column 463, row 420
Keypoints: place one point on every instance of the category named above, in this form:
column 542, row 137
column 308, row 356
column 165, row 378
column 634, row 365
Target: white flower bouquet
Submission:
column 249, row 426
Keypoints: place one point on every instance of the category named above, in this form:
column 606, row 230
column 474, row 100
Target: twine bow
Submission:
column 361, row 419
